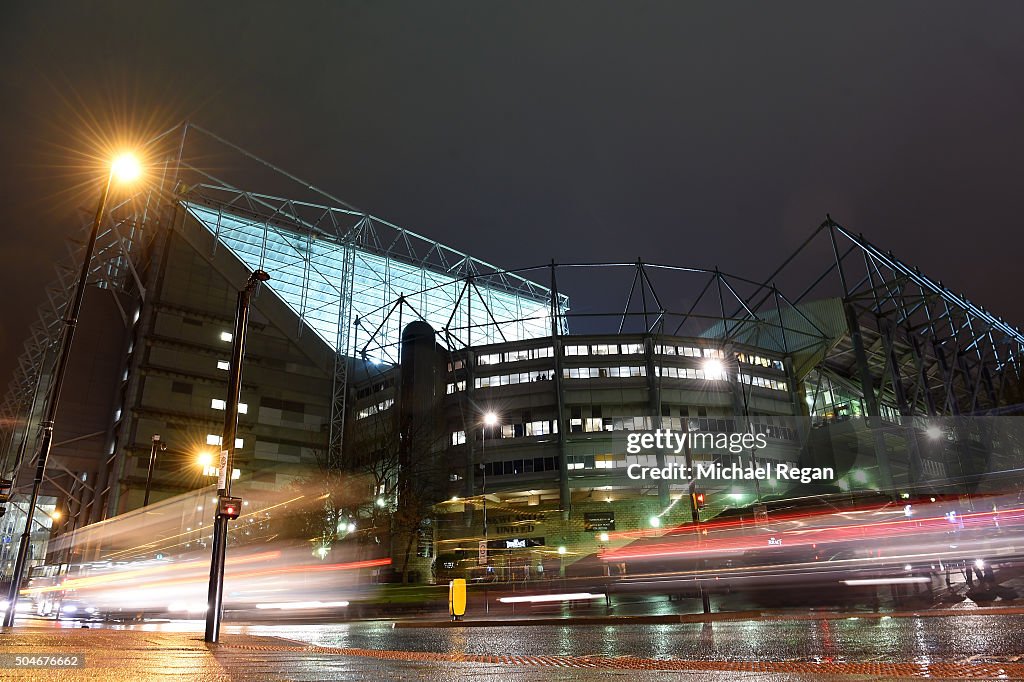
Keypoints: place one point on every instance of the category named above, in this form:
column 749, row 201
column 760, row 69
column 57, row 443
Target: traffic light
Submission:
column 229, row 507
column 698, row 500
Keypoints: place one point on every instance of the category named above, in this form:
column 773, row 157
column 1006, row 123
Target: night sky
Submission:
column 680, row 132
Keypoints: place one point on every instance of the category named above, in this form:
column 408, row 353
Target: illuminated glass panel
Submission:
column 377, row 282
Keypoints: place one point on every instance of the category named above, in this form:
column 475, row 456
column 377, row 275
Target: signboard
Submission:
column 515, row 543
column 599, row 521
column 481, row 558
column 222, row 471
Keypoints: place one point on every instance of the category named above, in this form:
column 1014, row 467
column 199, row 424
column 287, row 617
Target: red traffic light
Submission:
column 698, row 500
column 229, row 507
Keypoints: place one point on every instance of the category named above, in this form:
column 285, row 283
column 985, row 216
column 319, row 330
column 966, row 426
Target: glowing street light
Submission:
column 934, row 432
column 655, row 522
column 126, row 168
column 205, row 459
column 123, row 169
column 55, row 515
column 490, row 419
column 714, row 370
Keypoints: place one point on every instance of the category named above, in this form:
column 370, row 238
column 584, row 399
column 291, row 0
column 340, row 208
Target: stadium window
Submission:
column 223, row 365
column 375, row 409
column 181, row 387
column 458, row 437
column 213, row 439
column 577, row 350
column 488, row 359
column 632, row 348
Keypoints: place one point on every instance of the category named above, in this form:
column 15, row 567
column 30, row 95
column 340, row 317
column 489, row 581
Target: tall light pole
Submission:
column 157, row 445
column 124, row 168
column 215, row 595
column 490, row 420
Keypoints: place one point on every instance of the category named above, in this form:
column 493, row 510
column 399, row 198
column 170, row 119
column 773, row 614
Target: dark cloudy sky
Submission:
column 696, row 133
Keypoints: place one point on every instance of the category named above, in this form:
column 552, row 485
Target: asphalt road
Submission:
column 954, row 639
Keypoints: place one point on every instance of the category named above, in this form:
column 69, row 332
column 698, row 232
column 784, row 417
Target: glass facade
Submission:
column 306, row 273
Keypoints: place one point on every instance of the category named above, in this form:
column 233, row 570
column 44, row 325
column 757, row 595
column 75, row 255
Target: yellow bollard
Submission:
column 457, row 598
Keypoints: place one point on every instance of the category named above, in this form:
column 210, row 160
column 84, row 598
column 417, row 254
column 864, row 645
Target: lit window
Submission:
column 458, row 437
column 211, row 439
column 375, row 409
column 218, row 404
column 223, row 364
column 226, row 336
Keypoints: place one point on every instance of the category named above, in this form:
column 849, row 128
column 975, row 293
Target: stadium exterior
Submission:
column 481, row 421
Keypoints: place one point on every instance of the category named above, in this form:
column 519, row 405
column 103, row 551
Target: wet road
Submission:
column 919, row 640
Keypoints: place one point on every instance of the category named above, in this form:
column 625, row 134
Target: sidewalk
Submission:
column 136, row 655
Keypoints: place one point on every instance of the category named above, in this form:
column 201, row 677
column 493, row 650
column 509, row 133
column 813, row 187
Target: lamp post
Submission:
column 124, row 168
column 215, row 594
column 157, row 445
column 491, row 420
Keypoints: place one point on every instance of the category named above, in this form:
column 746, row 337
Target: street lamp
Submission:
column 157, row 445
column 124, row 169
column 714, row 370
column 205, row 459
column 491, row 420
column 215, row 594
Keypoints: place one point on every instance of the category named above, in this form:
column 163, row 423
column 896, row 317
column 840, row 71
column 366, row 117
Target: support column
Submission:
column 471, row 426
column 654, row 404
column 915, row 469
column 564, row 493
column 867, row 383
